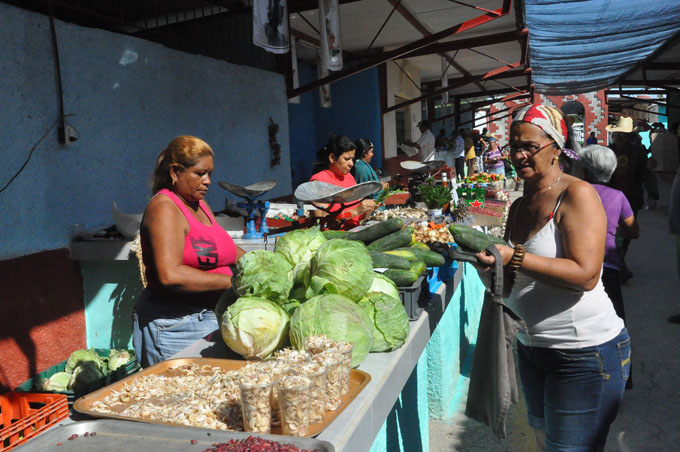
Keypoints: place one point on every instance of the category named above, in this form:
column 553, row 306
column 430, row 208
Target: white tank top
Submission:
column 559, row 317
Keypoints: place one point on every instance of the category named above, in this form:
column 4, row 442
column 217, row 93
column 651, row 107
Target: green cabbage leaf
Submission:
column 389, row 320
column 337, row 317
column 341, row 267
column 263, row 273
column 255, row 327
column 298, row 247
column 383, row 284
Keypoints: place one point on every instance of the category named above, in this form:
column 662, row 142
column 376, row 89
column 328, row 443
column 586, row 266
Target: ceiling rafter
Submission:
column 422, row 29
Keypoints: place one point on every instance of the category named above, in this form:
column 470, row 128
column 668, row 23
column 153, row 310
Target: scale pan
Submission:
column 251, row 190
column 316, row 191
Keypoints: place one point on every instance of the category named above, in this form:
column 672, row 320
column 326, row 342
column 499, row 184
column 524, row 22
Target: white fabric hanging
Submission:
column 329, row 31
column 324, row 90
column 270, row 25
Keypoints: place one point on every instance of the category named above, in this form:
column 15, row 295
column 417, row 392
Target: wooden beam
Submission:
column 459, row 83
column 397, row 53
column 460, row 44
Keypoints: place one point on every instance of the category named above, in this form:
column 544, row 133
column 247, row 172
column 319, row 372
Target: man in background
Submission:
column 425, row 144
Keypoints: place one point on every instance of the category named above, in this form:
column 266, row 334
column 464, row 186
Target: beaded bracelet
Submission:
column 517, row 258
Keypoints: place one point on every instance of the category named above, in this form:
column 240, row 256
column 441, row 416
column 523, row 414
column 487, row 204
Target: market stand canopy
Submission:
column 585, row 45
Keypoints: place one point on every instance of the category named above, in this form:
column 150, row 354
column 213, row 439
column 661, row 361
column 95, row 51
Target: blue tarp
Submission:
column 584, row 45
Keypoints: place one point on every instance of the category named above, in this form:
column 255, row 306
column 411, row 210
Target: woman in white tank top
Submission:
column 574, row 352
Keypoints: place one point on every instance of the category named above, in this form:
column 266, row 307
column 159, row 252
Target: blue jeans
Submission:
column 573, row 394
column 162, row 329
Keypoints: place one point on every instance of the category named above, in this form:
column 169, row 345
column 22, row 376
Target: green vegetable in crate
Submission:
column 384, row 260
column 57, row 382
column 337, row 317
column 390, row 321
column 383, row 284
column 118, row 358
column 402, row 278
column 376, row 231
column 331, row 234
column 418, row 267
column 406, row 253
column 254, row 327
column 85, row 377
column 79, row 357
column 341, row 267
column 395, row 240
column 298, row 247
column 430, row 258
column 263, row 273
column 472, row 239
column 435, row 196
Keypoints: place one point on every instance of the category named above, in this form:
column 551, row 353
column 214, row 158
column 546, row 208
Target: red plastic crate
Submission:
column 25, row 415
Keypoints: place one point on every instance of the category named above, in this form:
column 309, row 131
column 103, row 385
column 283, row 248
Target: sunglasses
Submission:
column 529, row 150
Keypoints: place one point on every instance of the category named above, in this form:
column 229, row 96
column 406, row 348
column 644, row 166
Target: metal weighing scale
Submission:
column 420, row 171
column 254, row 208
column 316, row 193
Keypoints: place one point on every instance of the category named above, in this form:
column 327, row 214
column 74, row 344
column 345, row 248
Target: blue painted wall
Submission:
column 355, row 112
column 129, row 98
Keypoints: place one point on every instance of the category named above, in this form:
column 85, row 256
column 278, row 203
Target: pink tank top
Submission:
column 207, row 248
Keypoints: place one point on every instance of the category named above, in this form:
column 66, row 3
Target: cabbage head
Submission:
column 263, row 273
column 82, row 356
column 383, row 284
column 86, row 376
column 389, row 320
column 255, row 327
column 118, row 358
column 57, row 382
column 337, row 317
column 298, row 247
column 341, row 267
column 226, row 299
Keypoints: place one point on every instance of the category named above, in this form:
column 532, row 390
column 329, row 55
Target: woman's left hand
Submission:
column 488, row 259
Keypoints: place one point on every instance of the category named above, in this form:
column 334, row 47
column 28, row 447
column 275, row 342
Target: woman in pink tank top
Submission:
column 186, row 254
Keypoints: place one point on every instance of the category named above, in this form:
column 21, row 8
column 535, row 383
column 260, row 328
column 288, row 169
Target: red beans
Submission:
column 255, row 444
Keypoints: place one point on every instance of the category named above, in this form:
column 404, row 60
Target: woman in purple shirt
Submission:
column 599, row 163
column 493, row 158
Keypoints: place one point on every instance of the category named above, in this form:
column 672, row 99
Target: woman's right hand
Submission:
column 366, row 206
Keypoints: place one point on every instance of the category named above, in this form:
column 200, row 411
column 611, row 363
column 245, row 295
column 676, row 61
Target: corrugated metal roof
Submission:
column 585, row 45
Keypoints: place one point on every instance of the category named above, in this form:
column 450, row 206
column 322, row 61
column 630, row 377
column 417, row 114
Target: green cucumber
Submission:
column 403, row 252
column 472, row 239
column 418, row 267
column 430, row 258
column 402, row 278
column 384, row 260
column 375, row 231
column 420, row 245
column 392, row 241
column 331, row 234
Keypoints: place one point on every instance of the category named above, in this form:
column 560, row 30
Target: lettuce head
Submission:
column 263, row 273
column 254, row 327
column 337, row 317
column 341, row 267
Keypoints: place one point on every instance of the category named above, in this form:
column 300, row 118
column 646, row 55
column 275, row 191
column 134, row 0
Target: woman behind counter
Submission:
column 574, row 351
column 338, row 156
column 363, row 171
column 186, row 254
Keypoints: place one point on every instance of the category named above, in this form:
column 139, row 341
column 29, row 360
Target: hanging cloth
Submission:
column 329, row 31
column 493, row 381
column 270, row 25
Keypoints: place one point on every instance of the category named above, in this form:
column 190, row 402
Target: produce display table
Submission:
column 357, row 426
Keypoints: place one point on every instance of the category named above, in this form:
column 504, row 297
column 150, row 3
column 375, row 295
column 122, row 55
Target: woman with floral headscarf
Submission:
column 573, row 350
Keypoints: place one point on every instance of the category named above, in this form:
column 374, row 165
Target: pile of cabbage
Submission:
column 85, row 369
column 310, row 286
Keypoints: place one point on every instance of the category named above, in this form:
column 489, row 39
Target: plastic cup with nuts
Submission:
column 293, row 356
column 256, row 389
column 345, row 349
column 294, row 400
column 278, row 370
column 317, row 344
column 316, row 372
column 333, row 361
